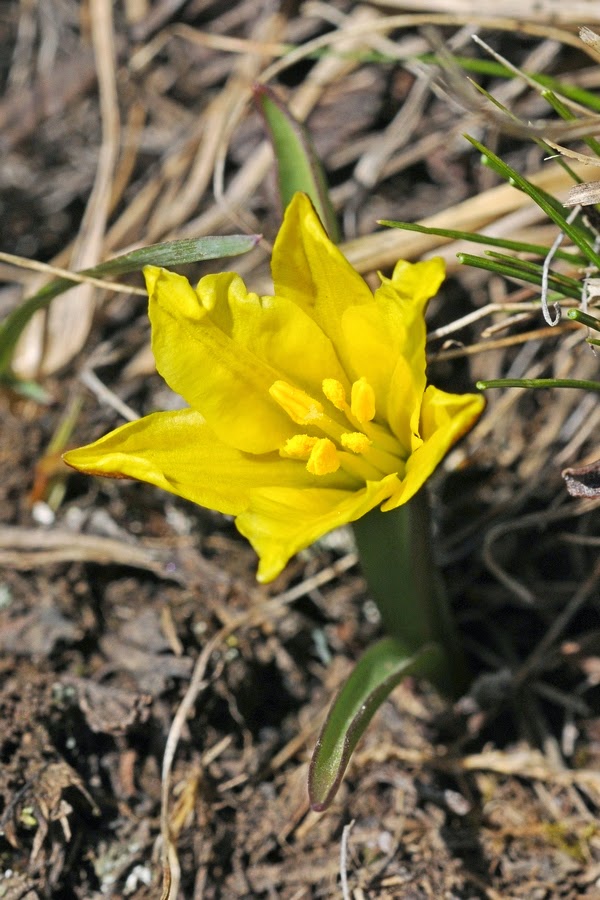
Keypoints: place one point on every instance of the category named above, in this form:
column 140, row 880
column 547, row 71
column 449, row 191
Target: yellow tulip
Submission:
column 307, row 408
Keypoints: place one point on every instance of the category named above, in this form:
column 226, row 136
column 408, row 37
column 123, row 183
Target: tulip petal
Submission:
column 385, row 342
column 408, row 291
column 179, row 452
column 199, row 361
column 309, row 269
column 231, row 347
column 280, row 521
column 274, row 330
column 445, row 418
column 404, row 398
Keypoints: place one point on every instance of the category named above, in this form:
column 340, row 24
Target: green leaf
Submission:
column 578, row 315
column 488, row 240
column 376, row 674
column 396, row 551
column 563, row 286
column 496, row 69
column 171, row 253
column 569, row 116
column 298, row 166
column 581, row 237
column 538, row 383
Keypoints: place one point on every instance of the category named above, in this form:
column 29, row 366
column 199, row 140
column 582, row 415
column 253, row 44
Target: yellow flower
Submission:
column 306, row 409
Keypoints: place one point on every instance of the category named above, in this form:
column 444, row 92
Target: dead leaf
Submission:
column 583, row 481
column 108, row 709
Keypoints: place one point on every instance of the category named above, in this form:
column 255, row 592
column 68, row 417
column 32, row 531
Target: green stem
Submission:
column 396, row 553
column 578, row 315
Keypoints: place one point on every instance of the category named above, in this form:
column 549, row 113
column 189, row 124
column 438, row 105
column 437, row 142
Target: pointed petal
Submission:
column 310, row 270
column 231, row 345
column 386, row 343
column 274, row 330
column 404, row 399
column 224, row 381
column 177, row 451
column 408, row 291
column 415, row 284
column 369, row 333
column 279, row 521
column 444, row 419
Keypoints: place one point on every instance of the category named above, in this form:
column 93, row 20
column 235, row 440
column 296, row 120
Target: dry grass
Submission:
column 118, row 132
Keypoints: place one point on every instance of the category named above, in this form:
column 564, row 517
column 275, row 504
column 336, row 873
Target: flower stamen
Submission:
column 366, row 459
column 356, row 442
column 299, row 446
column 324, row 458
column 335, row 393
column 300, row 406
column 362, row 401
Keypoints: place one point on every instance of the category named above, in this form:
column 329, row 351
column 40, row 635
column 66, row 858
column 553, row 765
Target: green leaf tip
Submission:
column 298, row 165
column 381, row 668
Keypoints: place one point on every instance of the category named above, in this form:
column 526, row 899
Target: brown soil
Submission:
column 110, row 591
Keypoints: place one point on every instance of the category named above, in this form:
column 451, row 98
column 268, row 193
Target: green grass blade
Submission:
column 569, row 116
column 530, row 266
column 298, row 166
column 538, row 383
column 563, row 286
column 578, row 315
column 171, row 253
column 497, row 70
column 554, row 210
column 487, row 240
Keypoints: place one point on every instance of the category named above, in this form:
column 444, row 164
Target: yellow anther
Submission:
column 335, row 393
column 299, row 446
column 356, row 442
column 324, row 458
column 300, row 407
column 362, row 400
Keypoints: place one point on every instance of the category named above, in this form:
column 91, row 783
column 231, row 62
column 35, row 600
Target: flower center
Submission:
column 359, row 446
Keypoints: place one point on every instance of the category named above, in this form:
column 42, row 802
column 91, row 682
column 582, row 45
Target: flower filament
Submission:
column 358, row 452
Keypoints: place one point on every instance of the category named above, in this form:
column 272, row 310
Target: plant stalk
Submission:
column 396, row 553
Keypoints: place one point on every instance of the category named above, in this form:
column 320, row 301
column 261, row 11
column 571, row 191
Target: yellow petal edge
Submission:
column 307, row 408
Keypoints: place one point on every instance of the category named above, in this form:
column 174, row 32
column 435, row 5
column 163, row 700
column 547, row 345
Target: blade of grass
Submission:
column 298, row 166
column 536, row 383
column 516, row 272
column 171, row 253
column 497, row 70
column 548, row 204
column 487, row 240
column 569, row 116
column 578, row 315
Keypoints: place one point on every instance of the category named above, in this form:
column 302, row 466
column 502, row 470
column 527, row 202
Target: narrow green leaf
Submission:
column 298, row 166
column 23, row 387
column 496, row 69
column 488, row 240
column 562, row 288
column 581, row 237
column 531, row 267
column 381, row 668
column 569, row 116
column 539, row 383
column 578, row 315
column 171, row 253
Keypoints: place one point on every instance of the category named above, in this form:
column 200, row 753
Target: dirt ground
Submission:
column 126, row 130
